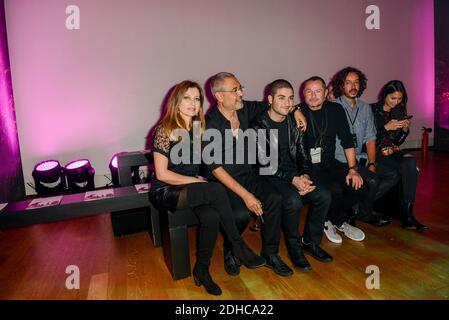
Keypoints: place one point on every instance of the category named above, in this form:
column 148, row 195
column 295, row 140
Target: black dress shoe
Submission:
column 415, row 225
column 299, row 261
column 275, row 262
column 246, row 256
column 409, row 221
column 202, row 276
column 231, row 264
column 378, row 221
column 316, row 252
column 419, row 226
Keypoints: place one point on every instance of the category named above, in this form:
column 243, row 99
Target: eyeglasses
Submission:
column 311, row 92
column 235, row 90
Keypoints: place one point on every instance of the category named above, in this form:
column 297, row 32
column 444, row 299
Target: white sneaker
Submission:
column 331, row 233
column 351, row 232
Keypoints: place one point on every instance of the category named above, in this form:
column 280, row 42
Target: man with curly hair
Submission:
column 349, row 85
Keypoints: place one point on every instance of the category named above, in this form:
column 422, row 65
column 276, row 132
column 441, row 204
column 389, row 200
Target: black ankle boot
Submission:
column 409, row 221
column 202, row 276
column 247, row 256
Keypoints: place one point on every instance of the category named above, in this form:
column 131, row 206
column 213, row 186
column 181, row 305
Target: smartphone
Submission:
column 407, row 117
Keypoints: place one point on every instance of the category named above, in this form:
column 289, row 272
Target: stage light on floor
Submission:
column 113, row 166
column 80, row 176
column 48, row 178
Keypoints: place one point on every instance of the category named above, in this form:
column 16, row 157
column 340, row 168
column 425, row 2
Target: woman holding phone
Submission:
column 393, row 127
column 176, row 185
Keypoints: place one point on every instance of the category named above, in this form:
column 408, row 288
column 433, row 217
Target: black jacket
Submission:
column 386, row 138
column 215, row 120
column 297, row 146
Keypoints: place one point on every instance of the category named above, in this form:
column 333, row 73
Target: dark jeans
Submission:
column 272, row 210
column 405, row 165
column 332, row 176
column 210, row 204
column 378, row 184
column 319, row 200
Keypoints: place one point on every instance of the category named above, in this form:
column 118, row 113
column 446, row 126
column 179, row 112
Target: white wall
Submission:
column 98, row 90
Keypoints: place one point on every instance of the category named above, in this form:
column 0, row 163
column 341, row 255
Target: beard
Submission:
column 239, row 105
column 353, row 93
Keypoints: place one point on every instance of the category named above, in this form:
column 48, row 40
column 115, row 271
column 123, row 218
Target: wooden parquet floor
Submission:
column 412, row 265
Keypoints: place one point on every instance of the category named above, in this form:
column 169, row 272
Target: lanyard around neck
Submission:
column 318, row 132
column 352, row 121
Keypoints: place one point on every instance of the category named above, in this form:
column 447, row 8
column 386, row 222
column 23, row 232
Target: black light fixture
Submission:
column 48, row 178
column 113, row 166
column 80, row 176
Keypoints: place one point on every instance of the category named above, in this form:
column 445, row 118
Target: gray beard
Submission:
column 239, row 106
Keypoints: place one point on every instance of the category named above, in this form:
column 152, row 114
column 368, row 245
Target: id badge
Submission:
column 315, row 154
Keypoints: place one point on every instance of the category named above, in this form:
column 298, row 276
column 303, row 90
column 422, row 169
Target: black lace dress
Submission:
column 164, row 194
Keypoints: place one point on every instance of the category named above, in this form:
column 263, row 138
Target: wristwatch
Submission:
column 371, row 164
column 353, row 168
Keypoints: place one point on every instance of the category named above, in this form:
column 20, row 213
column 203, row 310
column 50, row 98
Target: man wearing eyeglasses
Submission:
column 327, row 124
column 247, row 191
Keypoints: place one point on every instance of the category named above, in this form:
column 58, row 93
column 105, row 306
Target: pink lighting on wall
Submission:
column 422, row 55
column 11, row 176
column 8, row 121
column 102, row 87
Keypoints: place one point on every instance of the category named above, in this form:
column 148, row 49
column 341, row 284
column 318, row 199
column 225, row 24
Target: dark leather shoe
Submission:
column 202, row 276
column 419, row 226
column 275, row 262
column 409, row 221
column 299, row 261
column 316, row 252
column 378, row 221
column 247, row 256
column 414, row 225
column 231, row 264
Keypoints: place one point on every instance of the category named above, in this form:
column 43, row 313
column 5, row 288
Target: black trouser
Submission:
column 210, row 204
column 332, row 176
column 379, row 183
column 405, row 165
column 272, row 209
column 319, row 200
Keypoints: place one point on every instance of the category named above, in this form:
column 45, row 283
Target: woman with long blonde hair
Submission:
column 177, row 185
